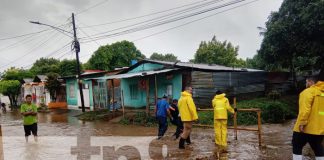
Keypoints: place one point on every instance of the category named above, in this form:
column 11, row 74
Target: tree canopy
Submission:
column 17, row 74
column 164, row 57
column 10, row 88
column 43, row 66
column 68, row 67
column 118, row 54
column 217, row 52
column 52, row 85
column 294, row 37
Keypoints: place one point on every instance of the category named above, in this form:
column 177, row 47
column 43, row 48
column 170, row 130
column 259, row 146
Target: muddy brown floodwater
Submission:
column 61, row 128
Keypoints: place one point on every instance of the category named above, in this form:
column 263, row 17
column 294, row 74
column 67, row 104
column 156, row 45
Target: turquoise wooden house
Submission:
column 143, row 83
column 146, row 81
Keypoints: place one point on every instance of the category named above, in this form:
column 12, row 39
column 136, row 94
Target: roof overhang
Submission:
column 136, row 74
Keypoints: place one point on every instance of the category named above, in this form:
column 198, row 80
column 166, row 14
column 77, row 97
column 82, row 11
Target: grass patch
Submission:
column 272, row 111
column 139, row 118
column 94, row 115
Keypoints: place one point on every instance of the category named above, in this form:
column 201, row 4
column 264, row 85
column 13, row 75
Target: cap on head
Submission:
column 219, row 92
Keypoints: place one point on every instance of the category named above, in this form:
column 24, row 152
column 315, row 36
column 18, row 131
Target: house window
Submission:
column 133, row 91
column 169, row 90
column 72, row 91
column 85, row 86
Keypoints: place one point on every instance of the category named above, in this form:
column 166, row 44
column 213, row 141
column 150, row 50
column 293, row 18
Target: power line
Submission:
column 161, row 17
column 193, row 21
column 52, row 53
column 26, row 40
column 29, row 52
column 87, row 34
column 23, row 35
column 143, row 27
column 146, row 15
column 27, row 34
column 64, row 54
column 87, row 9
column 16, row 43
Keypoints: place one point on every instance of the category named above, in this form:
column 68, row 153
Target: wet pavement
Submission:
column 60, row 130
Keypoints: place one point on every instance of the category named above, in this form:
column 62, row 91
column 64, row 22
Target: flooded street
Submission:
column 60, row 131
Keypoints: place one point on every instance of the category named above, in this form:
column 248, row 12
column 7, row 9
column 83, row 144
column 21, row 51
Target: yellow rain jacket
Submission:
column 221, row 106
column 187, row 107
column 311, row 110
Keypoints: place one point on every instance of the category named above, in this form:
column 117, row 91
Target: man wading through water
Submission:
column 188, row 114
column 29, row 113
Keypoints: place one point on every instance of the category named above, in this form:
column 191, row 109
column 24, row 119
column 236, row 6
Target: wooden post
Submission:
column 156, row 91
column 122, row 102
column 259, row 126
column 113, row 94
column 1, row 144
column 147, row 96
column 235, row 120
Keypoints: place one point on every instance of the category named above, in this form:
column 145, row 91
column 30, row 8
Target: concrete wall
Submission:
column 75, row 101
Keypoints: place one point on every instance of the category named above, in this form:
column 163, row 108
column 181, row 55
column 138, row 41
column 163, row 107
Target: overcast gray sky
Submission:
column 238, row 26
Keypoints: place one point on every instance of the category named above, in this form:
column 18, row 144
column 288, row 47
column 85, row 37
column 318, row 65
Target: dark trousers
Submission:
column 163, row 125
column 30, row 129
column 177, row 122
column 315, row 141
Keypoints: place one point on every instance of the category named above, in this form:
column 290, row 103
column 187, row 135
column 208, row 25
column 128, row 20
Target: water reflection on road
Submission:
column 61, row 128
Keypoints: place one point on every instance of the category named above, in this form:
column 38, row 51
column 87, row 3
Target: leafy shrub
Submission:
column 94, row 115
column 274, row 95
column 139, row 118
column 124, row 121
column 271, row 112
column 206, row 117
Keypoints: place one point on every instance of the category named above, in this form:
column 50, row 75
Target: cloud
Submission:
column 237, row 26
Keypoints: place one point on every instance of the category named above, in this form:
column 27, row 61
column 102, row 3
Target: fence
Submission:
column 235, row 119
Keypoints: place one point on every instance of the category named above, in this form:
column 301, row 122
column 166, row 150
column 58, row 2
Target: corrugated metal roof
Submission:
column 42, row 77
column 137, row 74
column 27, row 80
column 211, row 67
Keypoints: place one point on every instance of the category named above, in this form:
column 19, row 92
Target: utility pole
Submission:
column 77, row 50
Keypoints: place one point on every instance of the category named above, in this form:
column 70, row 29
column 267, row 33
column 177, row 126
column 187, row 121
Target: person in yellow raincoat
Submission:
column 221, row 106
column 188, row 114
column 309, row 127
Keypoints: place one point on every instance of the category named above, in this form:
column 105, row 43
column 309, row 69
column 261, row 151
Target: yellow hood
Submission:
column 319, row 85
column 185, row 94
column 220, row 96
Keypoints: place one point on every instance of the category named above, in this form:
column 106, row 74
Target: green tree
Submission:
column 68, row 67
column 16, row 74
column 294, row 37
column 52, row 85
column 217, row 52
column 167, row 57
column 118, row 54
column 255, row 62
column 44, row 66
column 10, row 88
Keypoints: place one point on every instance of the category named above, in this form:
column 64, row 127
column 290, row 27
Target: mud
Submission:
column 276, row 138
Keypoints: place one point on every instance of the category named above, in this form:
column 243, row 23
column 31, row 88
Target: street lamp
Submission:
column 76, row 46
column 56, row 28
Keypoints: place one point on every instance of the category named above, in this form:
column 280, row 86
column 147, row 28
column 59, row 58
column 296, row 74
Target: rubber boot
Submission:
column 181, row 143
column 297, row 157
column 188, row 141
